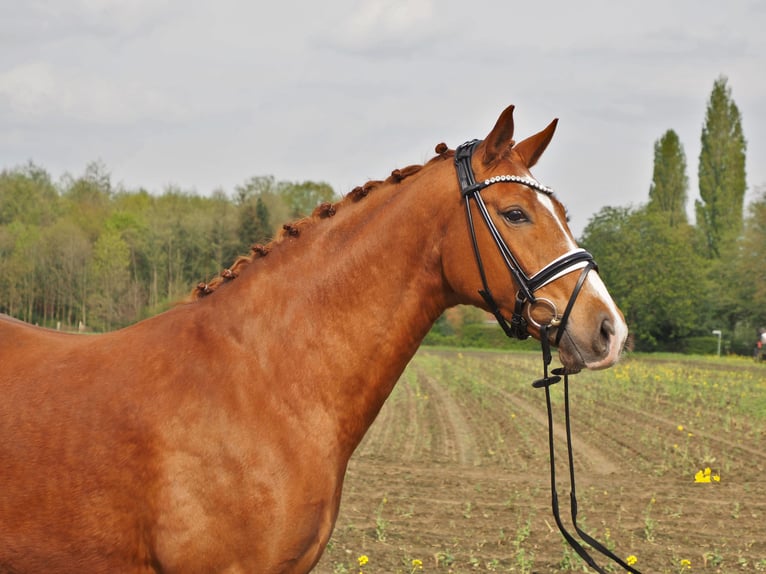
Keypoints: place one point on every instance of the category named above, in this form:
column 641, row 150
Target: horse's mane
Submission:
column 322, row 211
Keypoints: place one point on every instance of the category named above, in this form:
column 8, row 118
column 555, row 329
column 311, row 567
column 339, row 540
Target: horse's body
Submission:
column 215, row 437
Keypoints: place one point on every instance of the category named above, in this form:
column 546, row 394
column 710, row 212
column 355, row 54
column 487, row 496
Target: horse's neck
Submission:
column 332, row 318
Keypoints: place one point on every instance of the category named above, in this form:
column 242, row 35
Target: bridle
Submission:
column 518, row 325
column 527, row 285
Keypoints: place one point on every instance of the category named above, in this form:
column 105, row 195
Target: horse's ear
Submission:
column 533, row 147
column 500, row 140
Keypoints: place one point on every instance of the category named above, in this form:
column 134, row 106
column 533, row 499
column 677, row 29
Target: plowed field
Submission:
column 453, row 476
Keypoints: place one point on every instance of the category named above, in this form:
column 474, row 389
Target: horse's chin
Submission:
column 575, row 356
column 570, row 359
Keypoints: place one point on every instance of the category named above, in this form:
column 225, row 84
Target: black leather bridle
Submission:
column 518, row 327
column 527, row 285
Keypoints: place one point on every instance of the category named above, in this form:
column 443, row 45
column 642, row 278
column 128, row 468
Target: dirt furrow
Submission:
column 586, row 454
column 459, row 438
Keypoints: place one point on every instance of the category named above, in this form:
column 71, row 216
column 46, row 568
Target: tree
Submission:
column 19, row 256
column 88, row 199
column 304, row 197
column 224, row 238
column 722, row 181
column 27, row 195
column 654, row 277
column 270, row 191
column 751, row 266
column 254, row 223
column 667, row 193
column 110, row 276
column 65, row 253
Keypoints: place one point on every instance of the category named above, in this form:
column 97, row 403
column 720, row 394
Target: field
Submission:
column 453, row 476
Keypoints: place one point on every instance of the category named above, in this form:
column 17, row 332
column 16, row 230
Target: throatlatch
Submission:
column 518, row 327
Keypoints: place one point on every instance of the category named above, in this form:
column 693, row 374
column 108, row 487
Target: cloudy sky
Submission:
column 204, row 95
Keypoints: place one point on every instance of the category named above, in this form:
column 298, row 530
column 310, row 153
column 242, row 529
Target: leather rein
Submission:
column 518, row 325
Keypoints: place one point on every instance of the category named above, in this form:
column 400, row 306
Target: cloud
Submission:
column 27, row 89
column 207, row 94
column 41, row 22
column 385, row 28
column 37, row 92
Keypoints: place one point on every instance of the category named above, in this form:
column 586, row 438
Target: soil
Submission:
column 454, row 477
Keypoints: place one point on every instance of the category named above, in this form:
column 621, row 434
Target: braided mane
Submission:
column 322, row 211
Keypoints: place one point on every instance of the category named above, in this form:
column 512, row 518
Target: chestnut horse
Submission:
column 214, row 437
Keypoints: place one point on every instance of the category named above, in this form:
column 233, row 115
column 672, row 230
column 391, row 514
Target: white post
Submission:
column 717, row 332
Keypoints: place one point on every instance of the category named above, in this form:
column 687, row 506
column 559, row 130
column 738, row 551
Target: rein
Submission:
column 517, row 328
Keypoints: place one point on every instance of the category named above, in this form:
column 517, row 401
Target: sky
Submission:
column 204, row 95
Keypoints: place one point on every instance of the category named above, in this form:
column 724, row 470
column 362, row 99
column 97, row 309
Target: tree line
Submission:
column 677, row 281
column 80, row 252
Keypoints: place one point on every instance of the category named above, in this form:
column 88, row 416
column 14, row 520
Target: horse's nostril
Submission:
column 607, row 329
column 606, row 332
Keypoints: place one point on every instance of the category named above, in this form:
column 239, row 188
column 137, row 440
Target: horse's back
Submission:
column 18, row 339
column 68, row 450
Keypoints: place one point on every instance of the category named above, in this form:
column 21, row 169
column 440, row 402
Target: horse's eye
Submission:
column 515, row 216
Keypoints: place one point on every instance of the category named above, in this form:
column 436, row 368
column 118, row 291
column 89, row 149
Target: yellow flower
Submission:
column 686, row 564
column 706, row 475
column 363, row 559
column 631, row 560
column 680, row 428
column 701, row 476
column 417, row 564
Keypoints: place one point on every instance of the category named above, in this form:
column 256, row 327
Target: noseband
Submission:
column 518, row 326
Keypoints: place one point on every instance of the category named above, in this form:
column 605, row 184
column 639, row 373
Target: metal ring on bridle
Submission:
column 555, row 320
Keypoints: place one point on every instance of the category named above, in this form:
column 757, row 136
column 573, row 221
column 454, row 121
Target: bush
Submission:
column 480, row 336
column 700, row 345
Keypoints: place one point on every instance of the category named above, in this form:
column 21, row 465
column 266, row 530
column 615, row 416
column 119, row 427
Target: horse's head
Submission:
column 514, row 255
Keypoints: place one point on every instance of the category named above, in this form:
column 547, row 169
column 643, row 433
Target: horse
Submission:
column 214, row 437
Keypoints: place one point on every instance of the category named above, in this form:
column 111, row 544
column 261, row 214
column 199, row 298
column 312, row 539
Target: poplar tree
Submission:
column 667, row 193
column 721, row 172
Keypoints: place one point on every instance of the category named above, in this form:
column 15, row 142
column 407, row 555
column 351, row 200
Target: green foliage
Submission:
column 676, row 282
column 19, row 242
column 110, row 279
column 304, row 197
column 667, row 194
column 752, row 262
column 83, row 251
column 473, row 329
column 722, row 182
column 706, row 345
column 254, row 222
column 27, row 195
column 653, row 275
column 749, row 267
